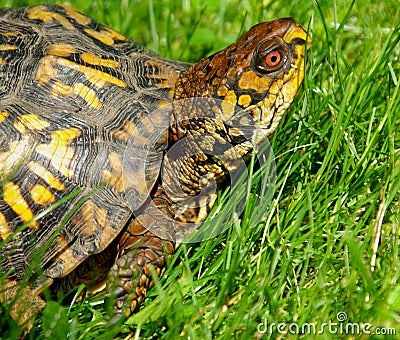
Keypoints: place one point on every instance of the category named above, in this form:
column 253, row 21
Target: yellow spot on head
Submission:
column 222, row 91
column 244, row 100
column 249, row 80
column 41, row 195
column 295, row 32
column 228, row 104
column 13, row 197
column 231, row 97
column 276, row 87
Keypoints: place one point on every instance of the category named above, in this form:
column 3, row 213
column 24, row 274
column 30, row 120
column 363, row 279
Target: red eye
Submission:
column 273, row 59
column 271, row 56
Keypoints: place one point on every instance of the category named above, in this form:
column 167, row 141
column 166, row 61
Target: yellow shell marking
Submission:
column 61, row 50
column 13, row 197
column 77, row 89
column 76, row 15
column 58, row 150
column 96, row 60
column 12, row 34
column 40, row 171
column 115, row 179
column 40, row 13
column 11, row 159
column 5, row 230
column 41, row 195
column 30, row 122
column 47, row 71
column 128, row 130
column 65, row 254
column 3, row 115
column 89, row 218
column 96, row 77
column 105, row 35
column 8, row 47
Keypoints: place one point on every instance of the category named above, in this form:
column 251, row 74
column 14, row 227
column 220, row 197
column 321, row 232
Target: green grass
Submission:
column 329, row 242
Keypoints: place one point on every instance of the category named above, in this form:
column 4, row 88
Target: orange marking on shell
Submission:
column 126, row 132
column 40, row 13
column 58, row 150
column 105, row 35
column 45, row 175
column 77, row 89
column 8, row 47
column 12, row 34
column 13, row 197
column 61, row 50
column 41, row 195
column 10, row 160
column 30, row 122
column 96, row 60
column 46, row 70
column 5, row 229
column 115, row 178
column 89, row 217
column 96, row 77
column 79, row 17
column 3, row 115
column 65, row 255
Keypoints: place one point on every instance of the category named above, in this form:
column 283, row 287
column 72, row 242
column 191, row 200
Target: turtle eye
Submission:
column 269, row 56
column 272, row 59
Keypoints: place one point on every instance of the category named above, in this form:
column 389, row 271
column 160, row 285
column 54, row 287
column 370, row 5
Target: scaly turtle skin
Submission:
column 72, row 94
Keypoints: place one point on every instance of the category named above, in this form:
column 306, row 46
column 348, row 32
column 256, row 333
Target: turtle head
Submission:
column 260, row 73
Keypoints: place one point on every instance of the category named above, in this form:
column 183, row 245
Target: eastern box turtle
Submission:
column 74, row 97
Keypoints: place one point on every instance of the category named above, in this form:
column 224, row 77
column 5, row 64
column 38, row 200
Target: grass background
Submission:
column 329, row 242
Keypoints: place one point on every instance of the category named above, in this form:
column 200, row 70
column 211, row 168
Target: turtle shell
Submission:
column 73, row 95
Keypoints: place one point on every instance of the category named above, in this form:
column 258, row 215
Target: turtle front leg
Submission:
column 140, row 251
